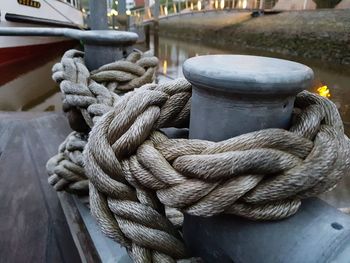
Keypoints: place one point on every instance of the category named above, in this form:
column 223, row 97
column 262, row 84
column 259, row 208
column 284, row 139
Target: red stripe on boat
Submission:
column 15, row 61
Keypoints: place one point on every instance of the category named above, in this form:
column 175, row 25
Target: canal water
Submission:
column 41, row 93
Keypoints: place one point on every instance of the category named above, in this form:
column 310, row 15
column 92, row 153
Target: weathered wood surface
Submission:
column 33, row 227
column 36, row 223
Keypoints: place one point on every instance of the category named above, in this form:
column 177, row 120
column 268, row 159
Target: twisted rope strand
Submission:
column 259, row 175
column 89, row 92
column 66, row 172
column 136, row 173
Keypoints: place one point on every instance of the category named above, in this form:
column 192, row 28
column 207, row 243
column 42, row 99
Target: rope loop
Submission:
column 261, row 175
column 140, row 181
column 88, row 95
column 66, row 169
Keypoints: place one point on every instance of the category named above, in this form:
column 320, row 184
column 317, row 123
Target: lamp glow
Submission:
column 165, row 67
column 114, row 12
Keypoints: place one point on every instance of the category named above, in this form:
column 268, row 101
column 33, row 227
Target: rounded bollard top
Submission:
column 244, row 74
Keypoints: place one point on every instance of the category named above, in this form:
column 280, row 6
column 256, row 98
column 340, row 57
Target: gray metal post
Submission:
column 156, row 27
column 98, row 53
column 98, row 15
column 121, row 7
column 238, row 94
column 122, row 18
column 156, row 8
column 101, row 46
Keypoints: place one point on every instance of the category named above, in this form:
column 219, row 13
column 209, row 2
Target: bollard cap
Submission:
column 241, row 74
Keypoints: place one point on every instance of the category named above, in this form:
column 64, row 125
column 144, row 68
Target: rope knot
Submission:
column 259, row 175
column 136, row 173
column 66, row 169
column 88, row 96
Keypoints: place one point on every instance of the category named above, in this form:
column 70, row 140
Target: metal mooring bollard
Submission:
column 100, row 46
column 106, row 46
column 233, row 95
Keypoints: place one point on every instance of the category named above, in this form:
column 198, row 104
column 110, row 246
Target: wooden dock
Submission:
column 36, row 223
column 39, row 225
column 33, row 227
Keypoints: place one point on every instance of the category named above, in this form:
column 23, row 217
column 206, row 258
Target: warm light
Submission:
column 199, row 5
column 109, row 14
column 83, row 10
column 191, row 6
column 166, row 10
column 222, row 4
column 216, row 4
column 114, row 12
column 174, row 7
column 165, row 67
column 116, row 2
column 128, row 12
column 324, row 91
column 244, row 4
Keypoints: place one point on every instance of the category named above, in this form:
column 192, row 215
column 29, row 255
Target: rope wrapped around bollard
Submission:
column 135, row 171
column 66, row 169
column 86, row 96
column 263, row 175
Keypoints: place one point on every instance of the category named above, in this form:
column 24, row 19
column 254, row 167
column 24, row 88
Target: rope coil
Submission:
column 66, row 169
column 135, row 171
column 91, row 94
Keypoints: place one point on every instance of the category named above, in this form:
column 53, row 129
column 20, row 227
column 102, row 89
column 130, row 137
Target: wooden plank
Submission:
column 30, row 231
column 40, row 135
column 54, row 128
column 92, row 245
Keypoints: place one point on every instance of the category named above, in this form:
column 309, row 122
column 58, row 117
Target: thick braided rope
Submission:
column 66, row 169
column 134, row 169
column 93, row 93
column 140, row 225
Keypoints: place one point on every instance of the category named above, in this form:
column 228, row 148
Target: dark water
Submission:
column 331, row 80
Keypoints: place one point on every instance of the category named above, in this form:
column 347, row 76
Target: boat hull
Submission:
column 26, row 62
